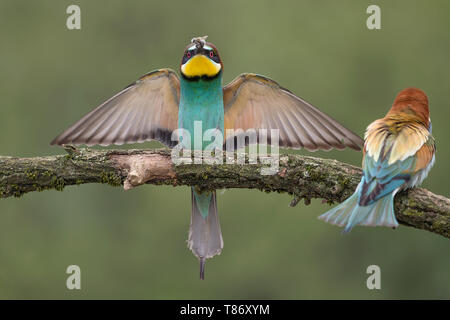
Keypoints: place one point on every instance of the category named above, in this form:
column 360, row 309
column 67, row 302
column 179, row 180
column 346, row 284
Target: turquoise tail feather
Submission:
column 202, row 201
column 205, row 236
column 350, row 213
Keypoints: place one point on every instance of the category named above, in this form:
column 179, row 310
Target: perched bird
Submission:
column 399, row 152
column 161, row 102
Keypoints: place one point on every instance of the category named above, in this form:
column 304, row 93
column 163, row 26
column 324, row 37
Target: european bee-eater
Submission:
column 399, row 152
column 160, row 102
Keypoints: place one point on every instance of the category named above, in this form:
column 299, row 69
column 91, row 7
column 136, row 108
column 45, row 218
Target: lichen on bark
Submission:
column 301, row 176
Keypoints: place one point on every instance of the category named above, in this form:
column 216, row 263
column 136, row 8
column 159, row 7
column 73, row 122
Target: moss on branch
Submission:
column 303, row 177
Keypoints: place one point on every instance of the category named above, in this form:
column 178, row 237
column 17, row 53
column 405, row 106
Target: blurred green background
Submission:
column 133, row 244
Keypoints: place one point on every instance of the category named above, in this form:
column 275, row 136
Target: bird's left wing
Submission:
column 145, row 110
column 255, row 102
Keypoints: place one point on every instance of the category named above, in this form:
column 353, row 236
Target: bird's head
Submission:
column 413, row 103
column 200, row 60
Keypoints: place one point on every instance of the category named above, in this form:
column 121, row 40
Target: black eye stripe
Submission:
column 186, row 57
column 215, row 57
column 205, row 52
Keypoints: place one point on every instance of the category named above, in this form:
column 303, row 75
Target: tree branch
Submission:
column 303, row 177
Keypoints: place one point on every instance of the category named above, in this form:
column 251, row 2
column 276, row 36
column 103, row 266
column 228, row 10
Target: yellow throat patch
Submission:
column 200, row 65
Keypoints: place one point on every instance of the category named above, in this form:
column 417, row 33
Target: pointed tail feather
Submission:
column 350, row 213
column 341, row 214
column 379, row 213
column 205, row 236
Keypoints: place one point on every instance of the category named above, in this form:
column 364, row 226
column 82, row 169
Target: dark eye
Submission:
column 188, row 54
column 211, row 54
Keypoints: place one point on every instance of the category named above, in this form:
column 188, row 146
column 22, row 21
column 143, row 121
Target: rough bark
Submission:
column 303, row 177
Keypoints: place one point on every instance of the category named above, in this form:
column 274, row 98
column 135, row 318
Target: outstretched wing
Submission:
column 145, row 110
column 255, row 102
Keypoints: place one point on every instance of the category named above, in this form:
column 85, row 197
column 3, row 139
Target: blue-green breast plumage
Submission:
column 201, row 100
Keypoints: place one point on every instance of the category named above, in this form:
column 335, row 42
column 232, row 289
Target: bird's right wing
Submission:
column 145, row 110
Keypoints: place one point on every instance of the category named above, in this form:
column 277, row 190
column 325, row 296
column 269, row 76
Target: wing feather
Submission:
column 145, row 110
column 322, row 125
column 309, row 133
column 425, row 154
column 255, row 102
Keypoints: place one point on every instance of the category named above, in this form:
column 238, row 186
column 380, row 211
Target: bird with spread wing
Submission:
column 160, row 102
